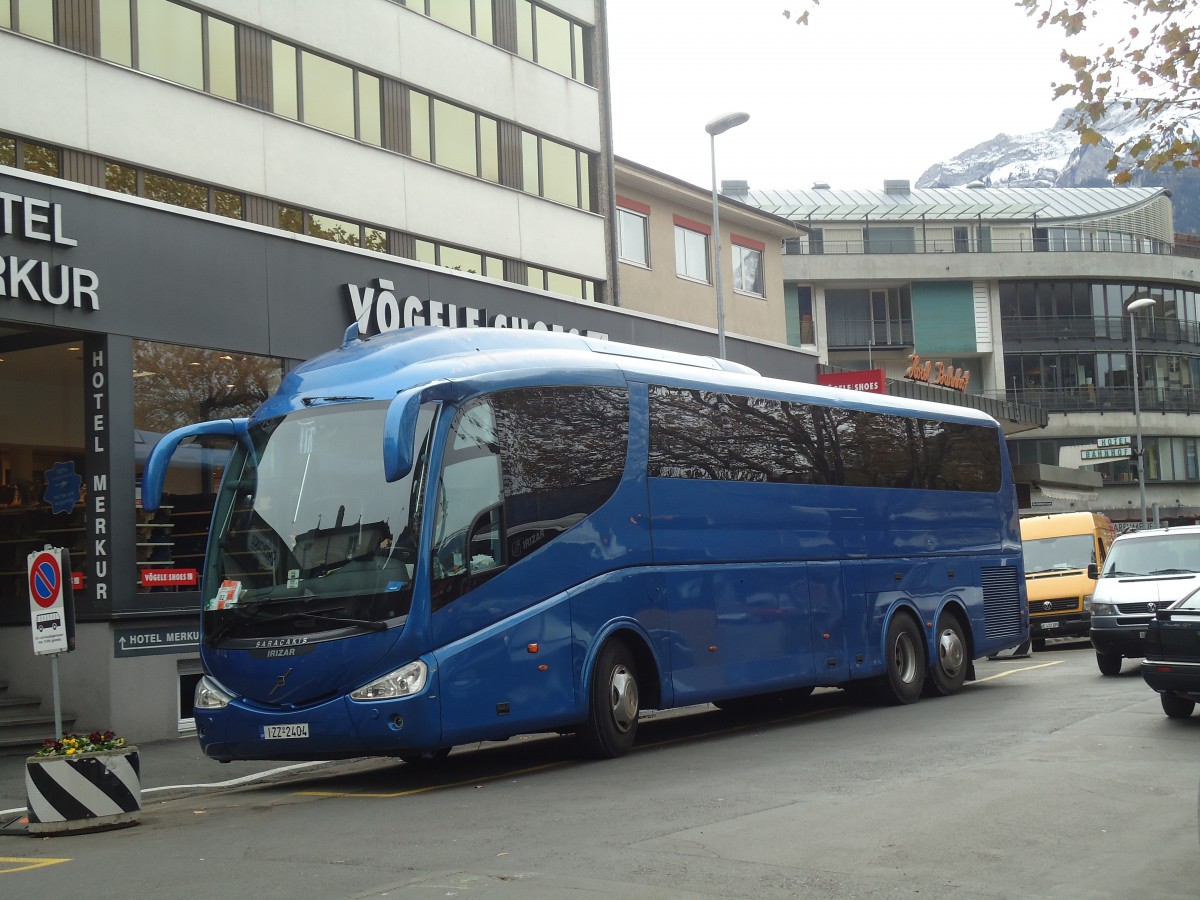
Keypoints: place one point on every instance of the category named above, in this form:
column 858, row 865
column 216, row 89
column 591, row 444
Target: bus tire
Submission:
column 612, row 720
column 905, row 676
column 948, row 670
column 1109, row 663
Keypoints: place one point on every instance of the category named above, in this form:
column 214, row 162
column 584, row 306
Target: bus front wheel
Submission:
column 905, row 676
column 612, row 720
column 949, row 671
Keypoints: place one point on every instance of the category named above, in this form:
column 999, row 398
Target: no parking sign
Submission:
column 51, row 601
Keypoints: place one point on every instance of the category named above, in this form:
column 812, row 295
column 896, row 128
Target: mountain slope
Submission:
column 1055, row 158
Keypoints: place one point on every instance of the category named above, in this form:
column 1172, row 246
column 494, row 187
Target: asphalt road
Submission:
column 1042, row 779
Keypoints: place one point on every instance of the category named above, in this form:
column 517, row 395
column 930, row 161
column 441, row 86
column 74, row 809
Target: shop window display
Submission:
column 174, row 386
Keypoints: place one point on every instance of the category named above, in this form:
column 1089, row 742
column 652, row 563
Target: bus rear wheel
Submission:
column 612, row 720
column 948, row 671
column 905, row 676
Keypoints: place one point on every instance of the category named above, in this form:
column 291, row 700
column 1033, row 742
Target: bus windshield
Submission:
column 308, row 534
column 1068, row 552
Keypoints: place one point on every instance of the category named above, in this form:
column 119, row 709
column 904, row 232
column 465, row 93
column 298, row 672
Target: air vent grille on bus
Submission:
column 1001, row 601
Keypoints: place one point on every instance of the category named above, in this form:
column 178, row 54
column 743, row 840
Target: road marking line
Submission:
column 31, row 862
column 1006, row 673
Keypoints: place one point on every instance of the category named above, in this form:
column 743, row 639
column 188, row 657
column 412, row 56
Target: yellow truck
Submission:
column 1063, row 554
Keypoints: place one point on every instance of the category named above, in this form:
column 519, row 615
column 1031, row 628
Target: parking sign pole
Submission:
column 58, row 729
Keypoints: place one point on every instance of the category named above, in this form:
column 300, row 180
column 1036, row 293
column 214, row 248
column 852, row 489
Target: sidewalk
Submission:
column 171, row 768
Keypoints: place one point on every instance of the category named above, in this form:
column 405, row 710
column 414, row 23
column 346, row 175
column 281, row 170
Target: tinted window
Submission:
column 522, row 467
column 724, row 437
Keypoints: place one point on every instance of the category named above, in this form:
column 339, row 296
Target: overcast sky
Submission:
column 869, row 90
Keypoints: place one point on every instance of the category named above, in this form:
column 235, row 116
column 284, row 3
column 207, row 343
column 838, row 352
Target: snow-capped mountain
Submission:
column 1055, row 158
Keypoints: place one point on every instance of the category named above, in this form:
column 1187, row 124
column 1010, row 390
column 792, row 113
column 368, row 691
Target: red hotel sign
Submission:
column 871, row 380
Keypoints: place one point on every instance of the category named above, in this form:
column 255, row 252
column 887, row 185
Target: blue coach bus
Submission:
column 440, row 536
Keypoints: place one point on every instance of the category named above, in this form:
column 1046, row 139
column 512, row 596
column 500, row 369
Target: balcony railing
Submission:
column 1151, row 398
column 1089, row 328
column 1025, row 244
column 855, row 333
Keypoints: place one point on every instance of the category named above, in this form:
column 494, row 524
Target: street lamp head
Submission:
column 725, row 122
column 1140, row 303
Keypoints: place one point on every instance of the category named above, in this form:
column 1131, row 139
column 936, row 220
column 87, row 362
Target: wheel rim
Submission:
column 951, row 653
column 623, row 698
column 904, row 658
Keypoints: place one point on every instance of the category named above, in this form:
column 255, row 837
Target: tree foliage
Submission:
column 1151, row 68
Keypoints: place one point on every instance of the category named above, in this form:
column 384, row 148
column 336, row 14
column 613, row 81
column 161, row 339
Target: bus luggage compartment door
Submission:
column 835, row 596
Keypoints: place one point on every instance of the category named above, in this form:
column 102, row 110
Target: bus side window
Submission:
column 523, row 467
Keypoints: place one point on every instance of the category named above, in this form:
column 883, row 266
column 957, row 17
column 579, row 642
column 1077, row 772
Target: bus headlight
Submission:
column 210, row 696
column 406, row 680
column 1087, row 602
column 1104, row 609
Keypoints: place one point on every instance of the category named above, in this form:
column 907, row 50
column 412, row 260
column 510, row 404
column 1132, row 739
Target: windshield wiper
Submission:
column 371, row 624
column 1173, row 572
column 239, row 615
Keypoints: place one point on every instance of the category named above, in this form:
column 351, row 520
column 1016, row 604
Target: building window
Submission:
column 560, row 283
column 747, row 265
column 804, row 310
column 326, row 94
column 175, row 191
column 962, row 239
column 550, row 40
column 468, row 16
column 556, row 171
column 31, row 157
column 632, row 232
column 173, row 42
column 32, row 17
column 453, row 137
column 459, row 259
column 691, row 249
column 328, row 91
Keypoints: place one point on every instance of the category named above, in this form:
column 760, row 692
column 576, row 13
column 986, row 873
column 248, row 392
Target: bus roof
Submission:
column 377, row 368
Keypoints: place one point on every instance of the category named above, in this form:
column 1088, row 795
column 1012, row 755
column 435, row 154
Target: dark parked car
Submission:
column 1172, row 663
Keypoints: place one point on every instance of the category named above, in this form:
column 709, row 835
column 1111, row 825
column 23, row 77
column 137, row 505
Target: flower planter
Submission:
column 84, row 792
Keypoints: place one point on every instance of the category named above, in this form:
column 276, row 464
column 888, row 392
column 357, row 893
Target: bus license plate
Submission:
column 1049, row 626
column 284, row 732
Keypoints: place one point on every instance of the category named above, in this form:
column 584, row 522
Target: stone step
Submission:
column 30, row 730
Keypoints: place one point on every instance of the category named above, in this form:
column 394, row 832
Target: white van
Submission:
column 1145, row 571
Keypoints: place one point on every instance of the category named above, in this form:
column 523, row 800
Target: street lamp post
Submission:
column 715, row 127
column 1134, row 305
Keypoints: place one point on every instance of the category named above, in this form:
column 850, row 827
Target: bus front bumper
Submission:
column 337, row 729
